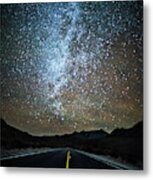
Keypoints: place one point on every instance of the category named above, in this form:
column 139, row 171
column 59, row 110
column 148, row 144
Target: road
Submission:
column 57, row 158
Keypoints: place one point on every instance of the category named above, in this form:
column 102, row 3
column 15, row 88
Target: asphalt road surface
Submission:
column 58, row 159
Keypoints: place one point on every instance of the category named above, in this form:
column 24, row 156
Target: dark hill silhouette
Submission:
column 136, row 131
column 11, row 136
column 8, row 131
column 123, row 143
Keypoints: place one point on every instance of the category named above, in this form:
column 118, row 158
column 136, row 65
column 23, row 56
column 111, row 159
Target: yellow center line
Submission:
column 68, row 157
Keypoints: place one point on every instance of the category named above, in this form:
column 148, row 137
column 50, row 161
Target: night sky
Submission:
column 69, row 67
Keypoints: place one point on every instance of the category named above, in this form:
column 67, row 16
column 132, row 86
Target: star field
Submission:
column 69, row 67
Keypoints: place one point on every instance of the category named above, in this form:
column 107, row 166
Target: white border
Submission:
column 53, row 174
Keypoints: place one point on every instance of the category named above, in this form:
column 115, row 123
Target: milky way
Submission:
column 72, row 66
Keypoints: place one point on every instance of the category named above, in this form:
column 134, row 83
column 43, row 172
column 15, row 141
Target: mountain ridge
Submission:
column 4, row 124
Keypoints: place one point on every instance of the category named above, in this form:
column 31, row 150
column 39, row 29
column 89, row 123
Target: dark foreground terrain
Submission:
column 123, row 144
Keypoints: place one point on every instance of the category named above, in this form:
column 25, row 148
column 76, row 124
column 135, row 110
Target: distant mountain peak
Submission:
column 136, row 130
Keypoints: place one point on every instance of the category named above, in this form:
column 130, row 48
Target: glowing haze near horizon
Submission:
column 70, row 67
